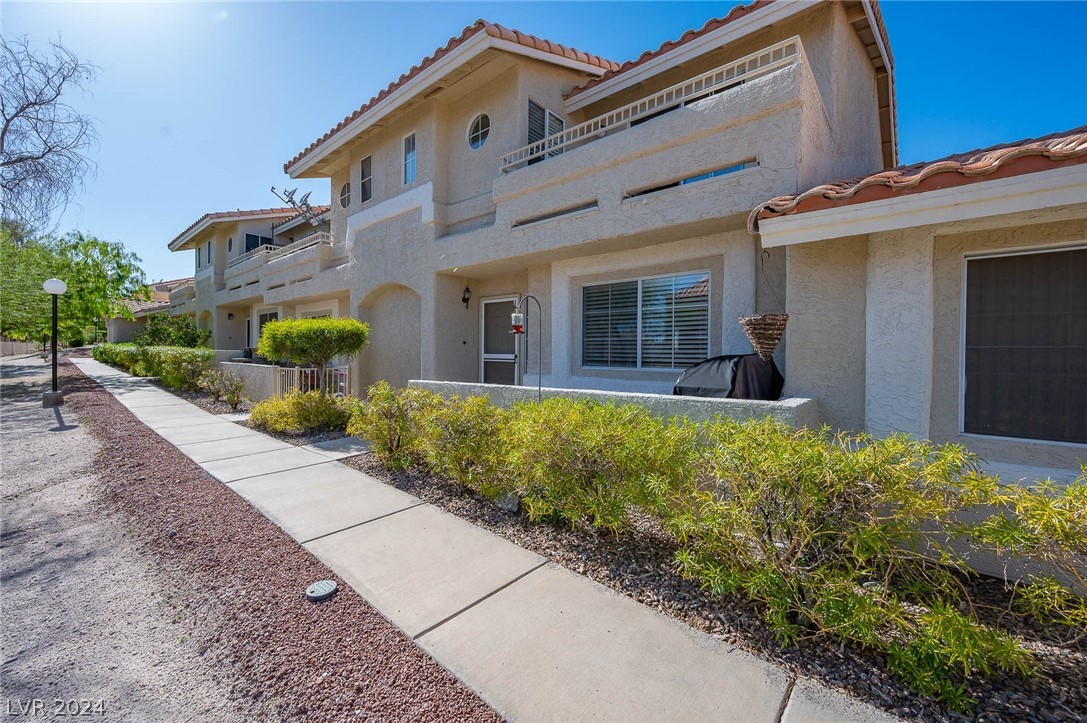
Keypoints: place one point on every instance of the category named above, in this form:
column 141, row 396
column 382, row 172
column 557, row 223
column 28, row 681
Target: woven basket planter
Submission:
column 765, row 332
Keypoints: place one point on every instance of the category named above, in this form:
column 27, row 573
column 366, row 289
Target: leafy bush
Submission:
column 165, row 330
column 834, row 535
column 76, row 339
column 313, row 341
column 462, row 439
column 392, row 420
column 301, row 412
column 582, row 460
column 224, row 385
column 178, row 367
column 828, row 533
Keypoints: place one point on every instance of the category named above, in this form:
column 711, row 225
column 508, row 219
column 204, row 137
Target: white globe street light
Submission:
column 54, row 287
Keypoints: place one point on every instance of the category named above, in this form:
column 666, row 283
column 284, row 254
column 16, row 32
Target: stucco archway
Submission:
column 394, row 314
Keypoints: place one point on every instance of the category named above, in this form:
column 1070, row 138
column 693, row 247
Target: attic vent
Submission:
column 695, row 179
column 556, row 214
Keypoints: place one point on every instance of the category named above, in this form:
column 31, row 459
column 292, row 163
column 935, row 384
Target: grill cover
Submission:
column 733, row 376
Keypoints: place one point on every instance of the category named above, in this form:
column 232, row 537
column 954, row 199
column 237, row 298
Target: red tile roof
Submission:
column 734, row 14
column 319, row 210
column 1000, row 161
column 492, row 29
column 140, row 307
column 224, row 215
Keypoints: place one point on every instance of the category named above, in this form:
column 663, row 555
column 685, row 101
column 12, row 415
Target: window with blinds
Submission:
column 660, row 322
column 366, row 179
column 541, row 124
column 1026, row 346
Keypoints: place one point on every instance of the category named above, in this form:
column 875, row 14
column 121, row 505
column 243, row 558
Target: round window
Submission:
column 480, row 129
column 345, row 195
column 230, row 244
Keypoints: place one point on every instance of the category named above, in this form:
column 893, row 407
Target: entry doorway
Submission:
column 498, row 363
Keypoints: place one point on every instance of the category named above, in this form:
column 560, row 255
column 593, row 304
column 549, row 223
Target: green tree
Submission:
column 165, row 330
column 97, row 273
column 313, row 341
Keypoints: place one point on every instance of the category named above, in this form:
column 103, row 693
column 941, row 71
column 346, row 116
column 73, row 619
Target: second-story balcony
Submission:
column 730, row 75
column 182, row 293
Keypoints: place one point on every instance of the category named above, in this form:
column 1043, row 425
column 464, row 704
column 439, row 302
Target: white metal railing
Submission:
column 258, row 251
column 746, row 68
column 290, row 379
column 320, row 238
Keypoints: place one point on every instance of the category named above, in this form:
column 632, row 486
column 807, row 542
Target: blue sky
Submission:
column 198, row 105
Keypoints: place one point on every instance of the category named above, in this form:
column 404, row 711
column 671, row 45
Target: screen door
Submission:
column 498, row 361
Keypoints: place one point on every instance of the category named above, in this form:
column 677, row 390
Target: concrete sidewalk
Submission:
column 536, row 641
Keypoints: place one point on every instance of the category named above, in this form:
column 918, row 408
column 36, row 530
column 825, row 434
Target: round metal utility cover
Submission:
column 321, row 590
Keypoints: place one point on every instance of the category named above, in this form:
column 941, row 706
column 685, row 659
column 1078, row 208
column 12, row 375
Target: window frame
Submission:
column 345, row 194
column 484, row 133
column 638, row 347
column 245, row 242
column 414, row 159
column 366, row 183
column 548, row 114
column 961, row 401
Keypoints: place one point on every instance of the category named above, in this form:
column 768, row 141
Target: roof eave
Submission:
column 773, row 13
column 468, row 50
column 184, row 241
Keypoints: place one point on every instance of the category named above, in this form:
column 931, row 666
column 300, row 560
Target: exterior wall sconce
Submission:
column 466, row 296
column 230, row 316
column 517, row 324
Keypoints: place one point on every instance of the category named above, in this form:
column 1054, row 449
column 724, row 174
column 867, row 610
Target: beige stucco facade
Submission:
column 876, row 330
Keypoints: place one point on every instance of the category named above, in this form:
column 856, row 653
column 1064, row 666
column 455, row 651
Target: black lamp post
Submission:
column 517, row 320
column 54, row 287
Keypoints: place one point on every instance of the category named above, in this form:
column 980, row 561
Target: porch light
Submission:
column 466, row 296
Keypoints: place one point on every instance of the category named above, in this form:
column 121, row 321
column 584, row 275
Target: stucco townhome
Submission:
column 254, row 266
column 948, row 300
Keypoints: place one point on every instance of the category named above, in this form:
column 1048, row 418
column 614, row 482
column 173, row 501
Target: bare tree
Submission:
column 43, row 141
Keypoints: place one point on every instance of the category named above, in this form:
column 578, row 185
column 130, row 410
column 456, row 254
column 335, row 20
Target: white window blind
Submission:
column 541, row 124
column 653, row 323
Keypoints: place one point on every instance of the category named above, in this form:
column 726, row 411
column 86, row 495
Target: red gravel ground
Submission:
column 337, row 660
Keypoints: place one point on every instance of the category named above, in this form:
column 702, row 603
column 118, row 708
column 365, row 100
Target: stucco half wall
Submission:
column 794, row 412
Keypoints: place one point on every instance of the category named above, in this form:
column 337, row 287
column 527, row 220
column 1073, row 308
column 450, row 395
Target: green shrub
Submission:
column 313, row 341
column 392, row 419
column 76, row 340
column 301, row 412
column 827, row 532
column 224, row 385
column 178, row 367
column 165, row 330
column 582, row 460
column 462, row 439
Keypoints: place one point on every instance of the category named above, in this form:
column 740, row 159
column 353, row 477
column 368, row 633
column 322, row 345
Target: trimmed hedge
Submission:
column 301, row 412
column 828, row 533
column 177, row 367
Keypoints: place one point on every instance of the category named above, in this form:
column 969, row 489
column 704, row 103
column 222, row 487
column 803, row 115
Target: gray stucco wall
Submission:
column 260, row 381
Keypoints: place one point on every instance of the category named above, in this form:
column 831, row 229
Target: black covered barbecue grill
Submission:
column 733, row 376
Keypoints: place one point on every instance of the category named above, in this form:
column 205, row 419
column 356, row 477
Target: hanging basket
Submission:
column 765, row 332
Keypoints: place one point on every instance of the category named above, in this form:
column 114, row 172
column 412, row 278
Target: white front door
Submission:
column 498, row 358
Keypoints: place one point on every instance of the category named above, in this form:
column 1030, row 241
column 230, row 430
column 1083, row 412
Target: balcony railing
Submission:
column 727, row 76
column 261, row 250
column 321, row 238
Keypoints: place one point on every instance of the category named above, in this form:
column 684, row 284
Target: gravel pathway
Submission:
column 242, row 578
column 86, row 615
column 640, row 565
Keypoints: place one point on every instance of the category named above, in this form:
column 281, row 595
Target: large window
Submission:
column 253, row 241
column 366, row 179
column 1025, row 366
column 409, row 159
column 660, row 322
column 541, row 124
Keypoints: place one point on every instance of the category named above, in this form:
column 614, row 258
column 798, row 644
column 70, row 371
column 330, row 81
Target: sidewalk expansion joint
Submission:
column 181, row 447
column 785, row 699
column 262, row 474
column 489, row 595
column 360, row 524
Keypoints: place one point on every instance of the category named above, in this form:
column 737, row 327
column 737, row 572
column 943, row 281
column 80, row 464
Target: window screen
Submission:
column 1026, row 346
column 366, row 180
column 653, row 323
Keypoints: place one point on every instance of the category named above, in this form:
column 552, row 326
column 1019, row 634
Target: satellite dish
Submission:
column 305, row 198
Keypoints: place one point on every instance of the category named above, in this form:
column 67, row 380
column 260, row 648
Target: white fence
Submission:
column 290, row 379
